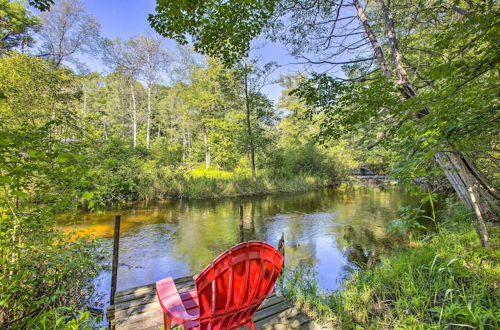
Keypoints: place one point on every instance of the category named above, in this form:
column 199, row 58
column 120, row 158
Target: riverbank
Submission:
column 201, row 184
column 444, row 281
column 205, row 185
column 121, row 173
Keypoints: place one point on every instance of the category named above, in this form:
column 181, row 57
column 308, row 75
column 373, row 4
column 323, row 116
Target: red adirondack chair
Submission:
column 228, row 291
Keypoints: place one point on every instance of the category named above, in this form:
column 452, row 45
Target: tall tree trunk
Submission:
column 207, row 148
column 148, row 125
column 105, row 131
column 249, row 126
column 184, row 145
column 379, row 54
column 467, row 182
column 84, row 110
column 134, row 117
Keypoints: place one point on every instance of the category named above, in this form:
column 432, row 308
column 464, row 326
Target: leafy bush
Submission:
column 305, row 160
column 42, row 270
column 47, row 271
column 166, row 152
column 115, row 167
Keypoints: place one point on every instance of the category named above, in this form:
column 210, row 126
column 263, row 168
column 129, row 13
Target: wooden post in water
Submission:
column 252, row 216
column 114, row 269
column 242, row 234
column 281, row 244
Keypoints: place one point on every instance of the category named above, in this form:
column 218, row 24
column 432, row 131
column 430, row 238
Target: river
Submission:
column 332, row 230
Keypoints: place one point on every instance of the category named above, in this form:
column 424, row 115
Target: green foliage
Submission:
column 300, row 285
column 114, row 173
column 407, row 221
column 16, row 25
column 201, row 119
column 65, row 318
column 120, row 173
column 41, row 269
column 445, row 282
column 305, row 160
column 41, row 5
column 218, row 29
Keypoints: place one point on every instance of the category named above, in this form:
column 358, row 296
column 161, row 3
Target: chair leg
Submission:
column 166, row 322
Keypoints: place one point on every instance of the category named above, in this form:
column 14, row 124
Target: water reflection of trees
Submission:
column 353, row 220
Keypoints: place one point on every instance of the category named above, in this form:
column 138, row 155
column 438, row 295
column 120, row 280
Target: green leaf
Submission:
column 88, row 195
column 61, row 159
column 19, row 193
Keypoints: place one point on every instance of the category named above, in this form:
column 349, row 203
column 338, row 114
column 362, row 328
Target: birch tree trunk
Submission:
column 470, row 185
column 207, row 148
column 134, row 116
column 105, row 131
column 249, row 126
column 148, row 125
column 184, row 145
column 379, row 54
column 84, row 110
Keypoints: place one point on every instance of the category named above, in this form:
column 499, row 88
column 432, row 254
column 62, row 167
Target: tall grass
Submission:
column 212, row 184
column 122, row 173
column 444, row 282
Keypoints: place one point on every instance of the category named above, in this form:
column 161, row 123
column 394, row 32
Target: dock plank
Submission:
column 138, row 308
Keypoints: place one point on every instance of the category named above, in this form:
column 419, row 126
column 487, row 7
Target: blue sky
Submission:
column 128, row 18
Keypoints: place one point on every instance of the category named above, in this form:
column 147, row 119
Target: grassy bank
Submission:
column 121, row 173
column 215, row 184
column 444, row 281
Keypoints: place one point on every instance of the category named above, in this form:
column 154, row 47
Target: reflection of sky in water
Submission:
column 331, row 230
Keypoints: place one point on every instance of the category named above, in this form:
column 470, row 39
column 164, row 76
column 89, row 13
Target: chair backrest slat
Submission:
column 234, row 285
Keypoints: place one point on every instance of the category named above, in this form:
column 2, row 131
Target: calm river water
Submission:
column 333, row 230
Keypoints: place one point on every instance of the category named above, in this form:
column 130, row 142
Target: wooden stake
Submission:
column 114, row 269
column 242, row 234
column 281, row 244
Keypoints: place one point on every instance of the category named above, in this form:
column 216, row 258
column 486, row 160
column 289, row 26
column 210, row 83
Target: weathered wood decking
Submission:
column 138, row 308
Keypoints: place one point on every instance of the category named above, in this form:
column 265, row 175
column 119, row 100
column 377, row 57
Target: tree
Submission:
column 126, row 58
column 211, row 24
column 206, row 98
column 67, row 30
column 16, row 27
column 254, row 80
column 413, row 119
column 41, row 5
column 340, row 33
column 39, row 167
column 154, row 61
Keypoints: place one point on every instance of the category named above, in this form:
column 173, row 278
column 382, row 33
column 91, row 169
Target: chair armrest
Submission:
column 171, row 301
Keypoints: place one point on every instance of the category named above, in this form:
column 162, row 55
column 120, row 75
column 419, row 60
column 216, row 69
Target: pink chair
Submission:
column 228, row 291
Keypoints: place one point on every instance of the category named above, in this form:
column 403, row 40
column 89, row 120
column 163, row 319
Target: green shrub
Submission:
column 42, row 168
column 303, row 160
column 166, row 152
column 114, row 171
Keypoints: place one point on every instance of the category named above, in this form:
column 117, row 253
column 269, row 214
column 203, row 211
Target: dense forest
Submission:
column 407, row 89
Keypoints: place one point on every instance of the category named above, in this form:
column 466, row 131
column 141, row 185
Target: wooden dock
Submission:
column 138, row 308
